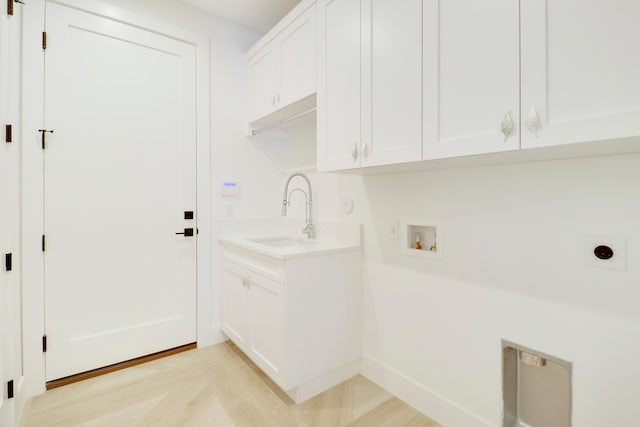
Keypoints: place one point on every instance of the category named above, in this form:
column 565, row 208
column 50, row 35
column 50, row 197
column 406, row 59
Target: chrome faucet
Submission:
column 286, row 201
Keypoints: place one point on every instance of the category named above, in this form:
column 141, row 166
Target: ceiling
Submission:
column 258, row 14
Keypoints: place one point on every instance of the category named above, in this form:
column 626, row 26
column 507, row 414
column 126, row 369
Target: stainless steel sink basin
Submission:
column 279, row 242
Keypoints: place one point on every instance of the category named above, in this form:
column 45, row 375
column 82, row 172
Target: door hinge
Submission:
column 10, row 5
column 44, row 243
column 44, row 343
column 44, row 40
column 8, row 133
column 8, row 262
column 10, row 389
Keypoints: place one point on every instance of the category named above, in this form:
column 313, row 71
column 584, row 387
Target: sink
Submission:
column 280, row 242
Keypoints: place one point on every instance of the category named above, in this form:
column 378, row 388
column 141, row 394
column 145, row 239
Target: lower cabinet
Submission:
column 298, row 320
column 253, row 316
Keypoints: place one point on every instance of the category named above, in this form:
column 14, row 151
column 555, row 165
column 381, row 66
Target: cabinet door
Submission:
column 266, row 324
column 580, row 68
column 339, row 35
column 471, row 77
column 234, row 303
column 264, row 79
column 392, row 82
column 298, row 59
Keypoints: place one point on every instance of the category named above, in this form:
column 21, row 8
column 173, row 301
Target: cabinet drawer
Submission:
column 266, row 266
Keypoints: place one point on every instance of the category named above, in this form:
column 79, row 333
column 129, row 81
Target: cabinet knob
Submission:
column 354, row 152
column 507, row 125
column 533, row 121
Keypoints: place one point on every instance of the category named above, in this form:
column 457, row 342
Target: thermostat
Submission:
column 230, row 189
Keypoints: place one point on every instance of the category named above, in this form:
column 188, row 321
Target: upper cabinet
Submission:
column 471, row 77
column 580, row 68
column 339, row 84
column 282, row 68
column 408, row 80
column 369, row 83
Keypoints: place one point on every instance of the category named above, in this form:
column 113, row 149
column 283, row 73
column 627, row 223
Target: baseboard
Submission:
column 428, row 402
column 318, row 385
column 217, row 336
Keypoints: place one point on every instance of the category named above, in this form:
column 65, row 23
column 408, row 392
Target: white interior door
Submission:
column 10, row 270
column 119, row 174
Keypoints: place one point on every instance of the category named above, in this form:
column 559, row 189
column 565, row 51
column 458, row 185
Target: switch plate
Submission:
column 394, row 229
column 619, row 245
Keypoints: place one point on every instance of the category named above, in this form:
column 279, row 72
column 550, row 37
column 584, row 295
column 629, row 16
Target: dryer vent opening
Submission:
column 536, row 388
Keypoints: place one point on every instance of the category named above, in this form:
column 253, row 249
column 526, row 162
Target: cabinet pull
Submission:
column 507, row 125
column 533, row 121
column 365, row 151
column 278, row 97
column 354, row 152
column 273, row 101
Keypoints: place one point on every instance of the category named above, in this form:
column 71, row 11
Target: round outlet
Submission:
column 603, row 252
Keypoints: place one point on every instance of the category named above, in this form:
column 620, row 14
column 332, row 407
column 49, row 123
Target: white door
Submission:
column 339, row 36
column 392, row 82
column 10, row 269
column 580, row 68
column 234, row 303
column 471, row 77
column 119, row 174
column 298, row 59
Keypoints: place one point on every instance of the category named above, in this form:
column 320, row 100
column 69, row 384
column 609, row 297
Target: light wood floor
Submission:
column 214, row 386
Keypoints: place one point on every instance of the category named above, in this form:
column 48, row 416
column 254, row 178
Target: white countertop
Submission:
column 303, row 249
column 255, row 235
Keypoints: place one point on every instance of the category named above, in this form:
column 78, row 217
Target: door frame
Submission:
column 33, row 299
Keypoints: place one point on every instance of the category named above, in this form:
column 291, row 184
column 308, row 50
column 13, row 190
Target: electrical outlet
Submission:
column 605, row 252
column 394, row 230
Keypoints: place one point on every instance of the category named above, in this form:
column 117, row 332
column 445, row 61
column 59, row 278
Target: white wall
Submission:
column 513, row 269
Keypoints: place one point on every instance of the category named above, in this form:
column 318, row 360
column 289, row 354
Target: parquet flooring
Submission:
column 213, row 386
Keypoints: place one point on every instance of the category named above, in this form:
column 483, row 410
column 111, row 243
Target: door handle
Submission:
column 507, row 126
column 533, row 121
column 188, row 232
